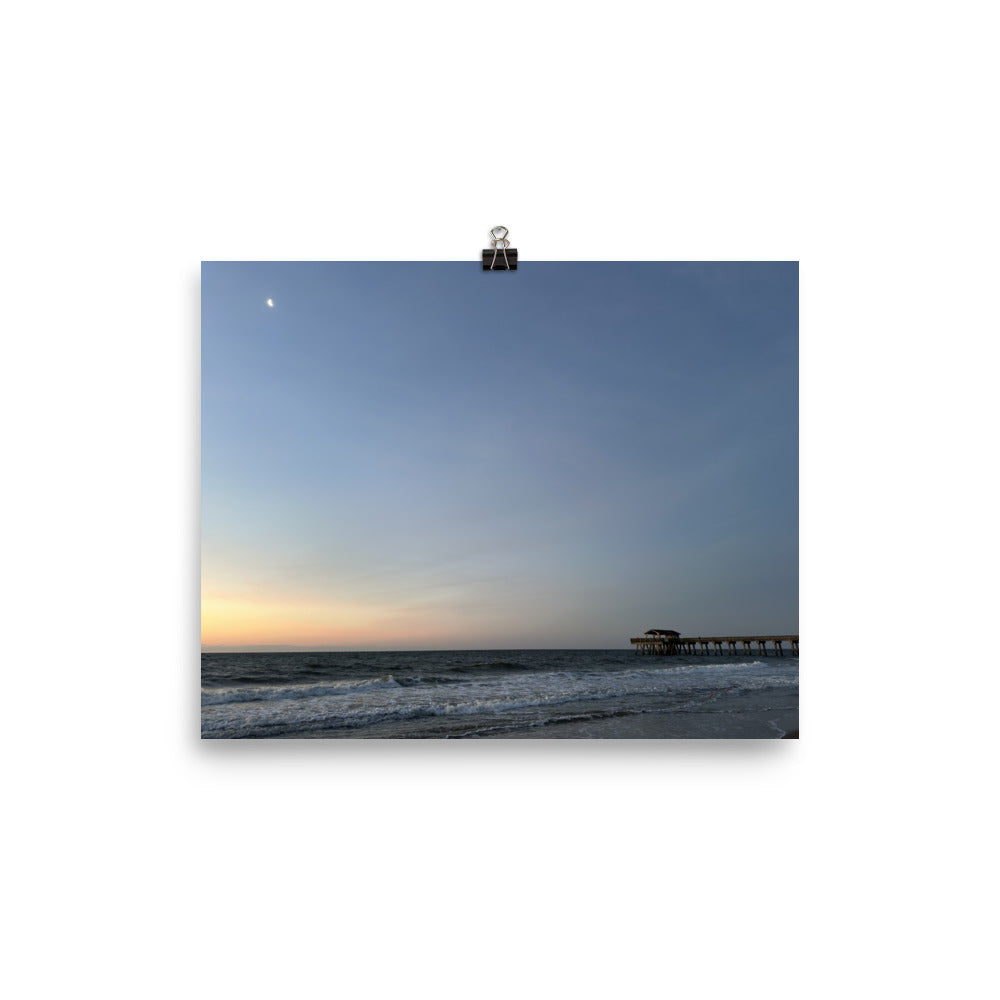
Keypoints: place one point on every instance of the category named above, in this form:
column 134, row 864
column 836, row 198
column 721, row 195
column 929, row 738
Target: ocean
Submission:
column 498, row 694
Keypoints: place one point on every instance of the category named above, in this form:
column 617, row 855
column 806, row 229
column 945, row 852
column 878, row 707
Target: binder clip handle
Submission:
column 500, row 243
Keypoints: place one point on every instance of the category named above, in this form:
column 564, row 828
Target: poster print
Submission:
column 553, row 503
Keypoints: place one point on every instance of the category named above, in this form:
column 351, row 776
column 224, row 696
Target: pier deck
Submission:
column 712, row 645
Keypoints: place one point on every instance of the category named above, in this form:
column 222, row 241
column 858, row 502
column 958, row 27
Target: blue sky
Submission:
column 424, row 455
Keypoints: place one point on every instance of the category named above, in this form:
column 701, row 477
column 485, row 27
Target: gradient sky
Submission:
column 427, row 456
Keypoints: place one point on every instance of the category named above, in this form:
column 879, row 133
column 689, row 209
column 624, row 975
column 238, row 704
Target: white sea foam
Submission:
column 261, row 711
column 222, row 696
column 774, row 725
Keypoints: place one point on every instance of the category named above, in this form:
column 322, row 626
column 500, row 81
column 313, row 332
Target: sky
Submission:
column 429, row 456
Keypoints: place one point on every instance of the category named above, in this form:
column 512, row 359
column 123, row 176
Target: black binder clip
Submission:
column 500, row 258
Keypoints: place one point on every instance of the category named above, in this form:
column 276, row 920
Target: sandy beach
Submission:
column 747, row 716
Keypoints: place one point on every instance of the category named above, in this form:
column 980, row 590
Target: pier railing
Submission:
column 712, row 645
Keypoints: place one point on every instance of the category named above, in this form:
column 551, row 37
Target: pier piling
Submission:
column 670, row 644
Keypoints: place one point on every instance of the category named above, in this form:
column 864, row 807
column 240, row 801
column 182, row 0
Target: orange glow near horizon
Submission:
column 271, row 621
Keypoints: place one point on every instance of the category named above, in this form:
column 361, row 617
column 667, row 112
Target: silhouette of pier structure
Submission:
column 667, row 642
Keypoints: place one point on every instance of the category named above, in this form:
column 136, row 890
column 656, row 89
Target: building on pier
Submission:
column 659, row 641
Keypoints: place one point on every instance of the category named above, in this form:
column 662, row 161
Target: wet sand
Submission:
column 740, row 717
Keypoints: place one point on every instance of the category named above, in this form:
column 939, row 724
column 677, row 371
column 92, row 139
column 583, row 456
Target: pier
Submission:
column 666, row 642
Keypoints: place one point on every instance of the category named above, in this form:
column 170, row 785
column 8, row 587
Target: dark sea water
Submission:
column 528, row 693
